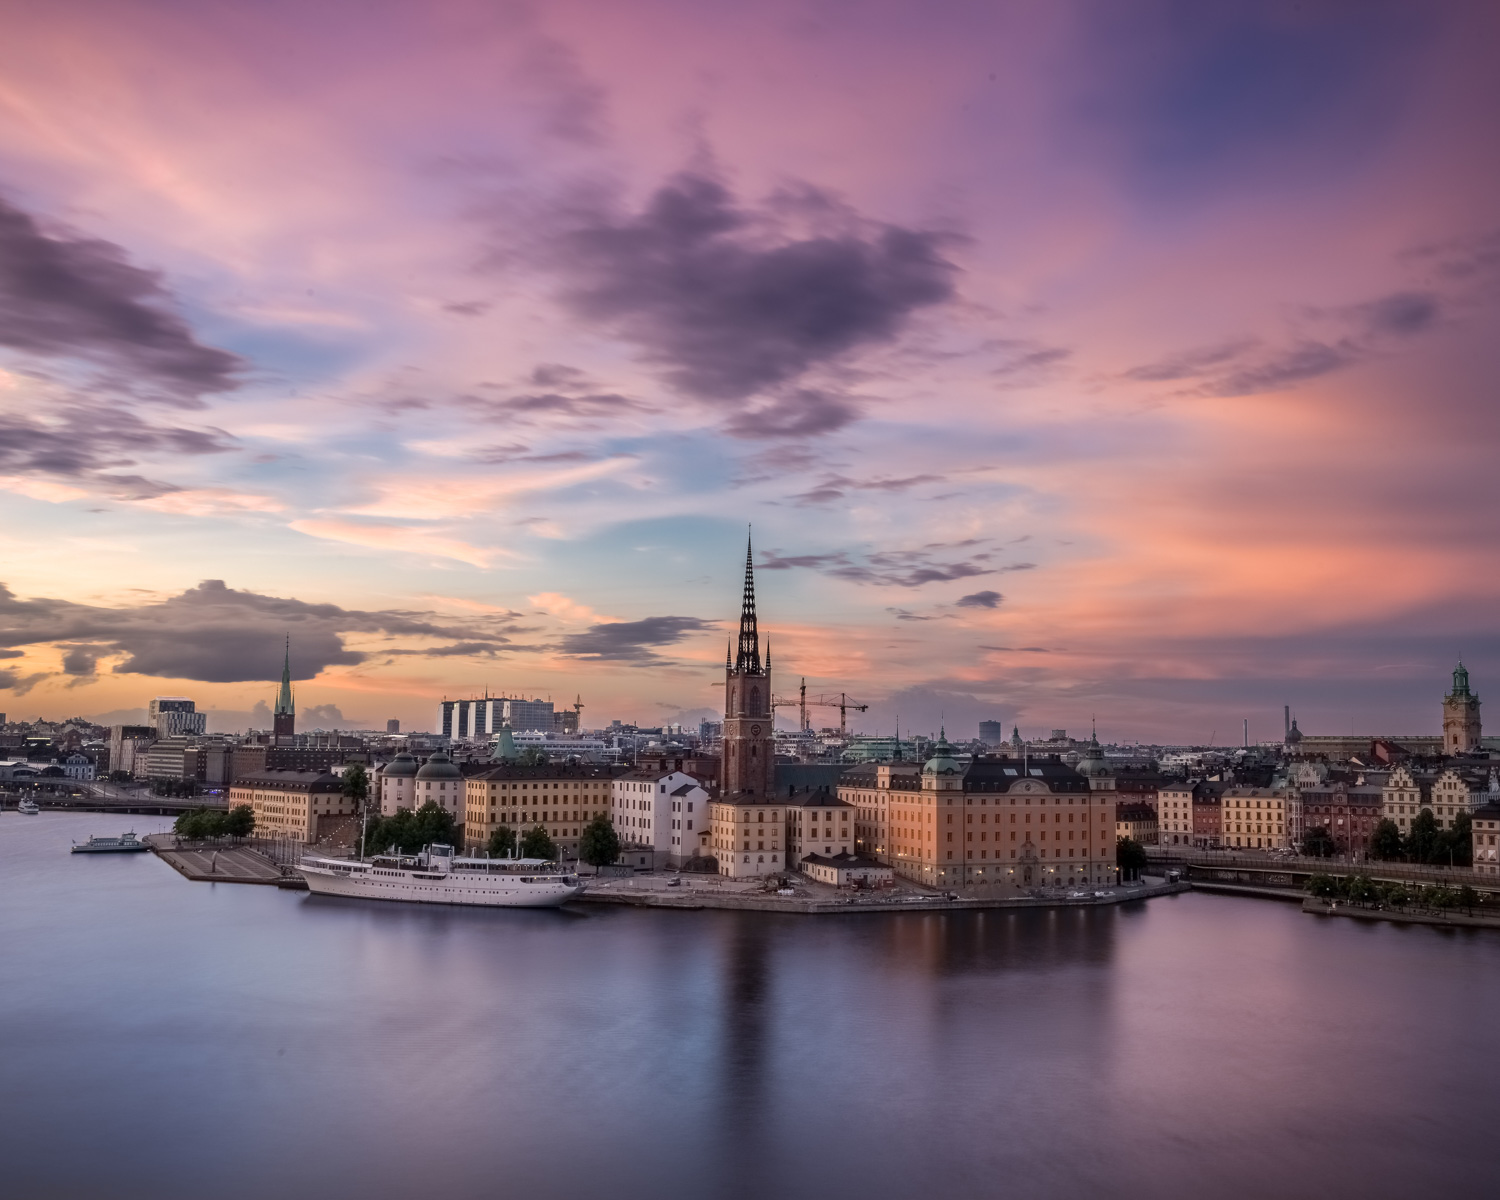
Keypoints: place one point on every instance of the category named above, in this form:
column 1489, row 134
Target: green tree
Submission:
column 1318, row 842
column 600, row 844
column 356, row 784
column 1325, row 887
column 1385, row 842
column 1468, row 898
column 119, row 777
column 537, row 843
column 502, row 842
column 1130, row 857
column 1359, row 889
column 408, row 831
column 240, row 821
column 201, row 823
column 1423, row 842
column 1398, row 895
column 532, row 756
column 1456, row 845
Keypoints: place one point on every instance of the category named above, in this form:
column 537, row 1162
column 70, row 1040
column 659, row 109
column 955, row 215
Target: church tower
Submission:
column 749, row 767
column 284, row 715
column 1460, row 716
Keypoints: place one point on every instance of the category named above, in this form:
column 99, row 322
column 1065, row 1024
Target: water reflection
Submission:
column 169, row 1039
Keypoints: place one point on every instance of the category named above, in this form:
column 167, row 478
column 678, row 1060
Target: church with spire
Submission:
column 284, row 715
column 749, row 827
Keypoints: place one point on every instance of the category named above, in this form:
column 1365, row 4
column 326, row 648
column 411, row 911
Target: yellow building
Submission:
column 560, row 798
column 1254, row 818
column 1001, row 822
column 1174, row 813
column 748, row 836
column 818, row 822
column 302, row 805
column 1136, row 820
column 868, row 788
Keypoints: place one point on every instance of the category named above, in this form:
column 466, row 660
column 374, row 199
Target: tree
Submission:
column 532, row 756
column 201, row 823
column 240, row 822
column 1317, row 842
column 537, row 843
column 1385, row 842
column 356, row 784
column 1130, row 857
column 1457, row 845
column 409, row 831
column 119, row 777
column 1359, row 889
column 1468, row 898
column 502, row 842
column 600, row 844
column 1325, row 887
column 1422, row 843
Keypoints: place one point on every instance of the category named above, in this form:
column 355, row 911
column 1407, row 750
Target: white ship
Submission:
column 436, row 876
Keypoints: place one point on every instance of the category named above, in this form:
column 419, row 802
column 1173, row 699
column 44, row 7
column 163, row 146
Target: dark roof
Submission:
column 817, row 798
column 846, row 860
column 1134, row 812
column 547, row 771
column 1001, row 773
column 318, row 781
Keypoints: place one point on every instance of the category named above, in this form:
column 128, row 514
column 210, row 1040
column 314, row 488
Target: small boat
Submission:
column 28, row 808
column 126, row 843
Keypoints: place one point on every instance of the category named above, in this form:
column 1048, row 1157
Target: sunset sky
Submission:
column 1137, row 360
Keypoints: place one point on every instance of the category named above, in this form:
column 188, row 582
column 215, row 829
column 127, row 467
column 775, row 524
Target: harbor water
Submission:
column 162, row 1038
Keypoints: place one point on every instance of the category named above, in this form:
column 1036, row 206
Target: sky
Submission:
column 1121, row 361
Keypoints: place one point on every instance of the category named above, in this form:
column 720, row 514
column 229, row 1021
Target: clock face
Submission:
column 755, row 731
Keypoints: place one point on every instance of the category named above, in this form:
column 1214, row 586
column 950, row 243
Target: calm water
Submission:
column 164, row 1038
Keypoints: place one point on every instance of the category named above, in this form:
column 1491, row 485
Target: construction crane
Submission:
column 802, row 701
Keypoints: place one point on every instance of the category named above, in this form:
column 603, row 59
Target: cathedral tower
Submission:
column 749, row 763
column 284, row 716
column 1460, row 716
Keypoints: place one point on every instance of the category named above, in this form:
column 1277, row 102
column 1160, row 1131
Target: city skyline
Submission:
column 1063, row 367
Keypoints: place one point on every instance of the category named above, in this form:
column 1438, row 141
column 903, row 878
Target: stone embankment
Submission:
column 1402, row 916
column 655, row 892
column 220, row 864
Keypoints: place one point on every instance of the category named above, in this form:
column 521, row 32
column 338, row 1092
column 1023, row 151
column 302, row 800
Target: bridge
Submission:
column 1262, row 874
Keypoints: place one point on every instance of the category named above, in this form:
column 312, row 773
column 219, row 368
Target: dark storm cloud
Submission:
column 631, row 641
column 980, row 600
column 217, row 634
column 900, row 568
column 82, row 441
column 731, row 308
column 804, row 412
column 64, row 296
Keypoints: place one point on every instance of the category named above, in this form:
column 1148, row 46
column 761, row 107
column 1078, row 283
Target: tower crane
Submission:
column 802, row 701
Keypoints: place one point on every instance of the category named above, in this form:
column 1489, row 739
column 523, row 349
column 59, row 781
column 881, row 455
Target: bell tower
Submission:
column 1461, row 730
column 284, row 715
column 749, row 767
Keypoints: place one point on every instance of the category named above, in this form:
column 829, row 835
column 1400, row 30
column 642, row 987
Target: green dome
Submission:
column 942, row 761
column 505, row 745
column 439, row 766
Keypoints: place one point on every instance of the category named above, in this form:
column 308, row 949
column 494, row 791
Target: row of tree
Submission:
column 238, row 822
column 409, row 830
column 1427, row 842
column 1360, row 889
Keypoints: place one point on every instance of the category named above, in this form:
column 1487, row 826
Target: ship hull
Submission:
column 479, row 892
column 137, row 849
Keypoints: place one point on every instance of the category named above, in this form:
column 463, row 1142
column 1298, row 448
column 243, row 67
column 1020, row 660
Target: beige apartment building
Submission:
column 1447, row 794
column 1174, row 813
column 868, row 788
column 1486, row 835
column 748, row 836
column 562, row 799
column 302, row 805
column 1137, row 821
column 818, row 823
column 1254, row 818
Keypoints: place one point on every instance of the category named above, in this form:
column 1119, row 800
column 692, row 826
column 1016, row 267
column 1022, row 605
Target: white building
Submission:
column 396, row 784
column 80, row 767
column 666, row 810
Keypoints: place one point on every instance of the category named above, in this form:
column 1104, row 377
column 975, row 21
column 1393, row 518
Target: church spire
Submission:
column 748, row 658
column 284, row 703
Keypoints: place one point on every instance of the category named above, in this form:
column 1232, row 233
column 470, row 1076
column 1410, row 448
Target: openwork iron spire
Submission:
column 748, row 658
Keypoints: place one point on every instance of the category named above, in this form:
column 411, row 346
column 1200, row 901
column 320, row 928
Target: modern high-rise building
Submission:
column 393, row 726
column 483, row 718
column 176, row 716
column 992, row 733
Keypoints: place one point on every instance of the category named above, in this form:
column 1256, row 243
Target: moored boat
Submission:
column 126, row 843
column 437, row 876
column 28, row 808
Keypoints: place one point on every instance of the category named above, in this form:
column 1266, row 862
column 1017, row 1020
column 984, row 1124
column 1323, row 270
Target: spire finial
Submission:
column 284, row 703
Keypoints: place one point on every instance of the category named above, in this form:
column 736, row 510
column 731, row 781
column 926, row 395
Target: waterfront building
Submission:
column 79, row 767
column 440, row 781
column 1461, row 727
column 868, row 789
column 1349, row 811
column 126, row 744
column 748, row 828
column 305, row 806
column 1254, row 818
column 395, row 784
column 1486, row 835
column 818, row 823
column 284, row 714
column 561, row 798
column 1208, row 815
column 1174, row 812
column 1136, row 821
column 662, row 807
